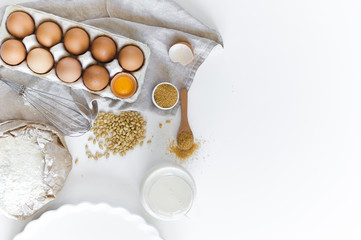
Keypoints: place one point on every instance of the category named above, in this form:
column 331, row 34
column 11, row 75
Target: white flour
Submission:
column 21, row 174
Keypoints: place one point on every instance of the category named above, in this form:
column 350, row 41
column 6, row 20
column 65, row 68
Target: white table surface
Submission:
column 279, row 110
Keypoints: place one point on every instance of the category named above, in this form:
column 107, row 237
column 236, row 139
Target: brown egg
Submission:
column 40, row 60
column 68, row 69
column 12, row 52
column 96, row 77
column 76, row 41
column 103, row 49
column 48, row 34
column 131, row 58
column 123, row 85
column 20, row 24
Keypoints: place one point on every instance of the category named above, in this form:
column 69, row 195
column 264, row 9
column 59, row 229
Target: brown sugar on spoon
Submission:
column 185, row 140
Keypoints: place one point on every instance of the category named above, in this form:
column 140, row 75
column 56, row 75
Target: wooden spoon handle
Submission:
column 184, row 107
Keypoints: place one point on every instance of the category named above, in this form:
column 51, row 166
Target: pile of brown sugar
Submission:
column 182, row 154
column 165, row 95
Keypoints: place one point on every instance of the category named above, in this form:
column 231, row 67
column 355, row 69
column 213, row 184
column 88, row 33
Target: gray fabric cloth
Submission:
column 157, row 23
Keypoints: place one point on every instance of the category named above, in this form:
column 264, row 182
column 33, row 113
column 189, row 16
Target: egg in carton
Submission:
column 95, row 63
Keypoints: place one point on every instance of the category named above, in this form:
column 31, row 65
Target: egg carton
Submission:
column 86, row 59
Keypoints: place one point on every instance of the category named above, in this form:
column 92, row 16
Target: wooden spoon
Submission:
column 185, row 136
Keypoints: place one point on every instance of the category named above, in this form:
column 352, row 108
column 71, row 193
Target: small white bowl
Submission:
column 154, row 99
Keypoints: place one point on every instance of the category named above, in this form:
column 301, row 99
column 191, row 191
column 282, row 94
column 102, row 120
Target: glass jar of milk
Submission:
column 167, row 192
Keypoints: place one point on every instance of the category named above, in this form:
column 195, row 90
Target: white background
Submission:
column 279, row 112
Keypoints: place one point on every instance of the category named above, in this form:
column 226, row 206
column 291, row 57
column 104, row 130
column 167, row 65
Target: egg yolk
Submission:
column 124, row 86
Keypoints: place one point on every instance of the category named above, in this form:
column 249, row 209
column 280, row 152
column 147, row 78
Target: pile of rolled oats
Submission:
column 116, row 133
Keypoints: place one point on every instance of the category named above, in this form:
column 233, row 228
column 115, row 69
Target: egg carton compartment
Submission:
column 85, row 59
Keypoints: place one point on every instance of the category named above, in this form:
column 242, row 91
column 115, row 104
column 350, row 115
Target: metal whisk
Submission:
column 69, row 116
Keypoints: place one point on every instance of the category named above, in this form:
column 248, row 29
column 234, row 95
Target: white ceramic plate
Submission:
column 90, row 222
